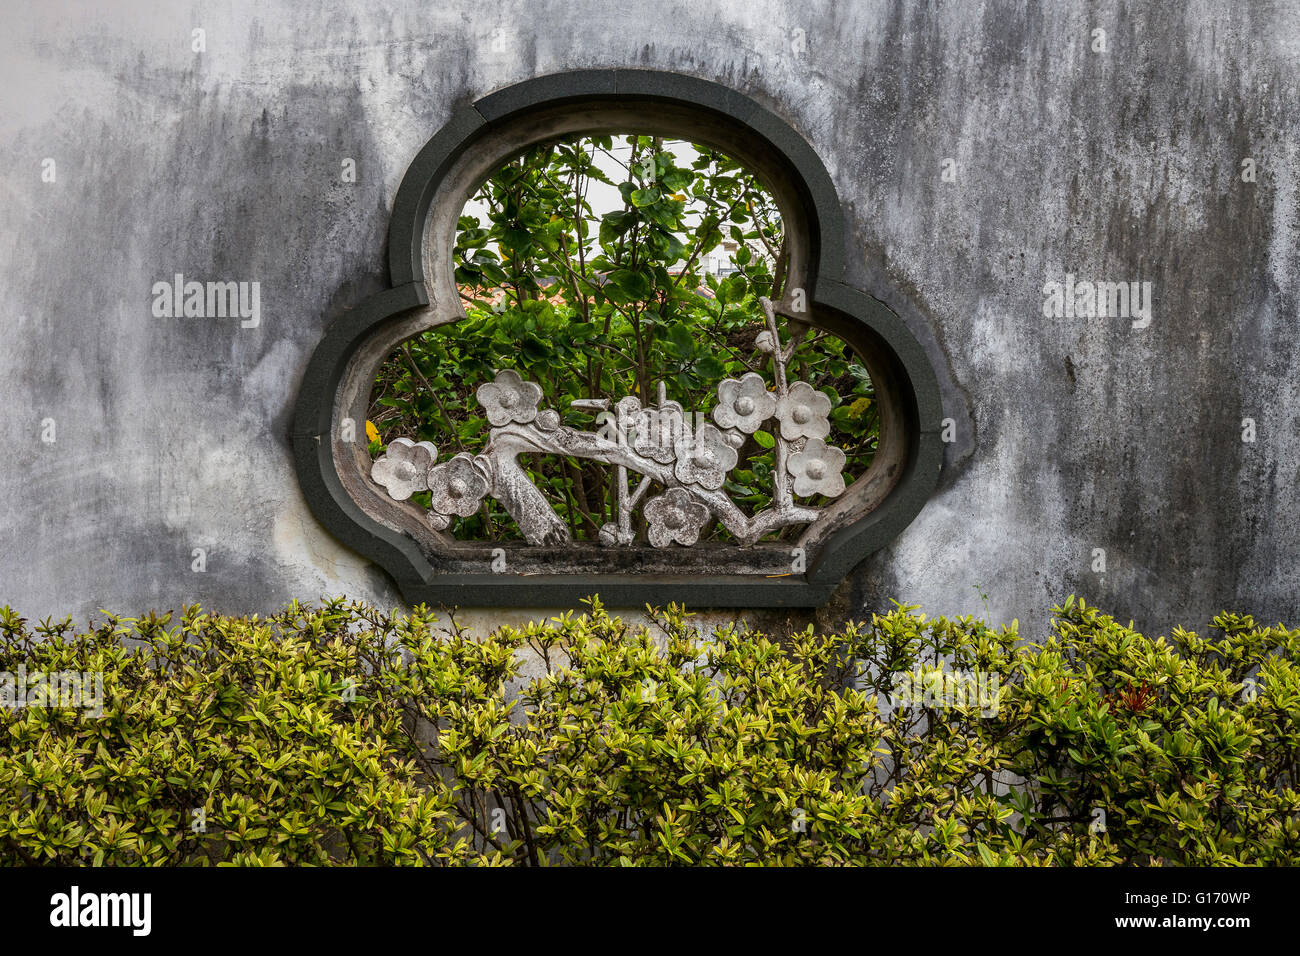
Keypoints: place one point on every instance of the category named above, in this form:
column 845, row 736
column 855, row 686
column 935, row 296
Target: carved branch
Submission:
column 690, row 463
column 510, row 441
column 780, row 474
column 509, row 484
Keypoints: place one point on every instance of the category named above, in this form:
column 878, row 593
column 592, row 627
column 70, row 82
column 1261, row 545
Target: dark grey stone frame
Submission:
column 896, row 360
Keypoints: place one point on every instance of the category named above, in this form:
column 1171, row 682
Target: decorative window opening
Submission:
column 594, row 271
column 513, row 476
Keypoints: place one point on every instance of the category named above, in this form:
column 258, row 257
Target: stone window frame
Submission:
column 430, row 567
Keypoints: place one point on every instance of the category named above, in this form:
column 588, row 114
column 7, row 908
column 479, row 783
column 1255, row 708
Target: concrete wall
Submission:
column 1071, row 434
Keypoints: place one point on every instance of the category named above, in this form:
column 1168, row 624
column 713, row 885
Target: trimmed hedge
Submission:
column 344, row 735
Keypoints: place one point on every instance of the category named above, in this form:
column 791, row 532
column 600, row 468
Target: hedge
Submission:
column 342, row 735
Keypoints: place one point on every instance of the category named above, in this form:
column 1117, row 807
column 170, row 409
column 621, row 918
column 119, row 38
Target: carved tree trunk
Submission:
column 524, row 502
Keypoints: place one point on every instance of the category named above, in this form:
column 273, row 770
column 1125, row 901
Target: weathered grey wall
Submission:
column 1071, row 434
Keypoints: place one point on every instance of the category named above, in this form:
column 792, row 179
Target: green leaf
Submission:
column 645, row 197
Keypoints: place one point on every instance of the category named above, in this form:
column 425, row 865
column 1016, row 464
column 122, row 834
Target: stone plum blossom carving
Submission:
column 687, row 465
column 457, row 486
column 817, row 470
column 508, row 398
column 704, row 458
column 674, row 516
column 803, row 413
column 744, row 403
column 404, row 467
column 659, row 430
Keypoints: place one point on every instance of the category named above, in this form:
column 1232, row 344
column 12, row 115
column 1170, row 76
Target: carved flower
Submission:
column 457, row 486
column 659, row 431
column 803, row 413
column 744, row 403
column 704, row 458
column 404, row 468
column 509, row 398
column 675, row 516
column 816, row 470
column 626, row 420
